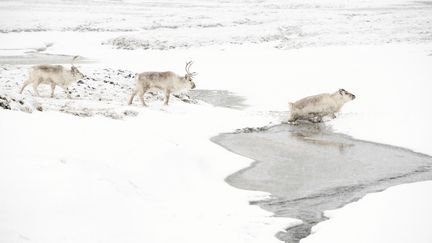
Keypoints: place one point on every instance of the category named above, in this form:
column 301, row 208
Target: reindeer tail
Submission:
column 292, row 117
column 290, row 106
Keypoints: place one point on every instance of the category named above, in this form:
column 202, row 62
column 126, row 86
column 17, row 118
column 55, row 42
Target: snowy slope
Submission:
column 151, row 178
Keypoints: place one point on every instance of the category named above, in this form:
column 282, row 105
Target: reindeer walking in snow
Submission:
column 168, row 82
column 53, row 75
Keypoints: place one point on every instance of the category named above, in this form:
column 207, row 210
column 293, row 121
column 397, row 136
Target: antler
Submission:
column 187, row 67
column 73, row 59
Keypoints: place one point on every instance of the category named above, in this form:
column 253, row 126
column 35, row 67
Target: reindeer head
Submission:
column 346, row 96
column 188, row 76
column 74, row 70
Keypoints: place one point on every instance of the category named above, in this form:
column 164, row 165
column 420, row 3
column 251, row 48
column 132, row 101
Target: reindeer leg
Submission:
column 53, row 85
column 293, row 119
column 141, row 94
column 27, row 82
column 316, row 119
column 35, row 86
column 167, row 96
column 132, row 97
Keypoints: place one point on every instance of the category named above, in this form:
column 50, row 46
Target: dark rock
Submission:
column 130, row 113
column 252, row 129
column 4, row 103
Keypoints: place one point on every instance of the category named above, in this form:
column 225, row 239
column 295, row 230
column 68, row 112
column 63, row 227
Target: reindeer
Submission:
column 53, row 75
column 168, row 82
column 314, row 108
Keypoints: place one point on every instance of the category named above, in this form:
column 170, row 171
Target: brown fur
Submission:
column 49, row 68
column 53, row 75
column 315, row 107
column 310, row 100
column 155, row 76
column 168, row 82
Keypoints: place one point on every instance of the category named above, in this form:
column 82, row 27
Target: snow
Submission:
column 155, row 177
column 398, row 214
column 183, row 24
column 151, row 174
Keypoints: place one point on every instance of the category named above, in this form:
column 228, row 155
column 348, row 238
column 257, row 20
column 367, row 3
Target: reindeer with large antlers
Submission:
column 168, row 82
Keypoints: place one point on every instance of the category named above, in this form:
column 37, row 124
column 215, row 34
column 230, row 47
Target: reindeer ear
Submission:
column 186, row 76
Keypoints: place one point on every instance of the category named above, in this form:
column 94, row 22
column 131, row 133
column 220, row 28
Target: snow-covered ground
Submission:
column 172, row 24
column 398, row 214
column 151, row 174
column 151, row 178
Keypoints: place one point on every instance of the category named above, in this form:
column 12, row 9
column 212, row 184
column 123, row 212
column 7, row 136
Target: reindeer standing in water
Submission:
column 168, row 82
column 314, row 108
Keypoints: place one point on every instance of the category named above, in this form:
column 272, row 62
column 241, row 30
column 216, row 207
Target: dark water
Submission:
column 308, row 169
